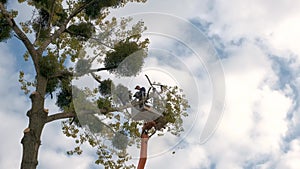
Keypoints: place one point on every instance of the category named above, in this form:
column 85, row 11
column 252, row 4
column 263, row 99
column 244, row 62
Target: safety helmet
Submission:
column 137, row 87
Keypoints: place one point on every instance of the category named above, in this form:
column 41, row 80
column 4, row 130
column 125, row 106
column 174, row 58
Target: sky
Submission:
column 237, row 61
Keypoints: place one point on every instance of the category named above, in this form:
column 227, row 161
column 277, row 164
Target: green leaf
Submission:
column 83, row 30
column 106, row 87
column 5, row 29
column 127, row 56
column 120, row 140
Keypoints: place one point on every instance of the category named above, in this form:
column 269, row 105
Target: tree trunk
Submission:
column 37, row 119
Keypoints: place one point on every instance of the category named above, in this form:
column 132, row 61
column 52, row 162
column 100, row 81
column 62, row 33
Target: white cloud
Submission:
column 286, row 34
column 11, row 135
column 179, row 8
column 51, row 159
column 254, row 119
column 255, row 122
column 291, row 158
column 192, row 156
column 12, row 103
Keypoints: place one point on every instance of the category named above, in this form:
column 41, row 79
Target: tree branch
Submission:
column 58, row 116
column 100, row 69
column 66, row 73
column 96, row 78
column 62, row 74
column 104, row 68
column 63, row 27
column 64, row 115
column 99, row 41
column 21, row 35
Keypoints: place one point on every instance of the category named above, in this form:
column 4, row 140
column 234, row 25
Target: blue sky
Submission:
column 257, row 42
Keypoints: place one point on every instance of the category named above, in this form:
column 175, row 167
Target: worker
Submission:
column 140, row 94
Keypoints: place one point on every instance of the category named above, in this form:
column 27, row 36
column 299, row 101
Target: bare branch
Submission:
column 96, row 78
column 21, row 35
column 62, row 74
column 99, row 41
column 64, row 115
column 66, row 73
column 58, row 116
column 104, row 68
column 100, row 69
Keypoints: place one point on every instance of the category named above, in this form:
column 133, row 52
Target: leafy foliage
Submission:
column 5, row 29
column 92, row 122
column 117, row 45
column 41, row 25
column 82, row 66
column 49, row 66
column 83, row 30
column 96, row 6
column 120, row 140
column 127, row 56
column 122, row 94
column 64, row 97
column 24, row 83
column 106, row 87
column 42, row 3
column 175, row 110
column 104, row 103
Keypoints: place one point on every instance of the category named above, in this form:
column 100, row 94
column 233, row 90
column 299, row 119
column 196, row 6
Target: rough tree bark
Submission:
column 37, row 115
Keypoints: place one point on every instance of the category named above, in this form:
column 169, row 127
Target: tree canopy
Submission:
column 77, row 38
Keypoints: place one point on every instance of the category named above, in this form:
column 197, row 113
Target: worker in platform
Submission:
column 140, row 95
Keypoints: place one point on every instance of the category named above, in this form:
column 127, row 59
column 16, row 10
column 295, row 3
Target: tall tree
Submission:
column 64, row 36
